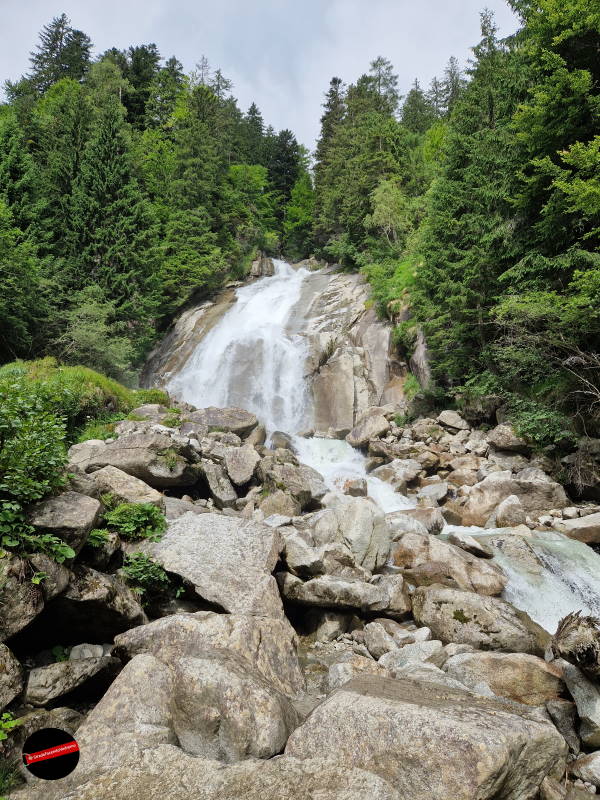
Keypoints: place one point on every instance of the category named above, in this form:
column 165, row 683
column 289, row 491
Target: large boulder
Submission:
column 535, row 490
column 219, row 485
column 69, row 516
column 385, row 593
column 370, row 427
column 88, row 677
column 232, row 420
column 303, row 483
column 431, row 742
column 517, row 676
column 157, row 459
column 11, row 677
column 453, row 421
column 20, row 599
column 586, row 695
column 503, row 437
column 398, row 473
column 268, row 644
column 584, row 529
column 464, row 570
column 228, row 560
column 125, row 488
column 487, row 623
column 240, row 463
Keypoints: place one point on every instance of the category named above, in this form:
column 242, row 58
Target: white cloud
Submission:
column 279, row 53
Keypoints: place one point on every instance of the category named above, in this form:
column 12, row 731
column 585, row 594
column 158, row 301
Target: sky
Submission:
column 280, row 54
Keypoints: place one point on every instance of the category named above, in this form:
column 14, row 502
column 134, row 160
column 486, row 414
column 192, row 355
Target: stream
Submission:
column 255, row 358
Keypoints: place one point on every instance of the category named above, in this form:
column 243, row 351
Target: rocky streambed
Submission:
column 317, row 646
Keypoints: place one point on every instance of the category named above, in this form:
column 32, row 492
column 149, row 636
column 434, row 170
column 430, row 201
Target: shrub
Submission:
column 146, row 577
column 97, row 537
column 411, row 386
column 134, row 521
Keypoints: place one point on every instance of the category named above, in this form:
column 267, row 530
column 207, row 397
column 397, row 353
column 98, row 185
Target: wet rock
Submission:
column 268, row 644
column 470, row 545
column 356, row 487
column 371, row 427
column 484, row 622
column 88, row 676
column 11, row 677
column 232, row 420
column 466, row 571
column 69, row 516
column 427, row 740
column 516, row 676
column 240, row 463
column 228, row 560
column 125, row 488
column 587, row 699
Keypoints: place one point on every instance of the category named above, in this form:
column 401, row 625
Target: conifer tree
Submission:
column 61, row 53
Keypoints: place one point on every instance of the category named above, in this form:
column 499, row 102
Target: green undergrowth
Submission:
column 149, row 580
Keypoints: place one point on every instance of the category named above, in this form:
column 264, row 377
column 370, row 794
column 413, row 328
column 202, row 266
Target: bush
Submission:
column 147, row 578
column 411, row 387
column 133, row 521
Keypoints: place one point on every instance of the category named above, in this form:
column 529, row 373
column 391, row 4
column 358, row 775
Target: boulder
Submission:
column 389, row 594
column 349, row 666
column 470, row 544
column 268, row 644
column 125, row 488
column 377, row 640
column 355, row 487
column 503, row 437
column 431, row 518
column 431, row 742
column 464, row 570
column 219, row 485
column 371, row 427
column 564, row 715
column 487, row 623
column 400, row 523
column 453, row 421
column 398, row 473
column 534, row 493
column 233, row 420
column 431, row 652
column 157, row 459
column 20, row 599
column 584, row 529
column 587, row 768
column 240, row 463
column 69, row 516
column 228, row 560
column 509, row 513
column 279, row 503
column 11, row 677
column 434, row 493
column 517, row 676
column 87, row 677
column 303, row 483
column 586, row 695
column 175, row 507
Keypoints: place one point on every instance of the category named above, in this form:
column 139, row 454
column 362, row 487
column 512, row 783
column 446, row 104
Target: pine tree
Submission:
column 112, row 234
column 385, row 82
column 435, row 97
column 253, row 135
column 166, row 87
column 418, row 113
column 284, row 166
column 62, row 53
column 298, row 222
column 453, row 84
column 19, row 186
column 142, row 67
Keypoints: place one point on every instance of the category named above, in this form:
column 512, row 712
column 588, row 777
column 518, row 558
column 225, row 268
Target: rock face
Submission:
column 587, row 699
column 229, row 561
column 433, row 743
column 516, row 676
column 11, row 677
column 461, row 569
column 70, row 516
column 268, row 644
column 484, row 622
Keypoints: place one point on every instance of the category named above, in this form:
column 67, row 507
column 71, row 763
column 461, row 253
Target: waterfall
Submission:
column 249, row 360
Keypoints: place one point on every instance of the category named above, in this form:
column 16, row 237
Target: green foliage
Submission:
column 146, row 577
column 7, row 724
column 134, row 521
column 60, row 653
column 9, row 776
column 98, row 537
column 411, row 386
column 539, row 424
column 101, row 428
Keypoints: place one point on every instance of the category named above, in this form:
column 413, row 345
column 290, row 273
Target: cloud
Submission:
column 279, row 53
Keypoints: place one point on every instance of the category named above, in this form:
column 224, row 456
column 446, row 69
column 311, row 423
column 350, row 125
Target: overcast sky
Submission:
column 279, row 53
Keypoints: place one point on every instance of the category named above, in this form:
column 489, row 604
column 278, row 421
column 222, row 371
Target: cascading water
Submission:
column 255, row 358
column 252, row 360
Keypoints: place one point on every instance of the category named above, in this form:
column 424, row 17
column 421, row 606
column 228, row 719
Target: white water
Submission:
column 251, row 360
column 248, row 360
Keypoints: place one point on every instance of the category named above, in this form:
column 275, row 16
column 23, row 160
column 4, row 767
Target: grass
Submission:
column 412, row 387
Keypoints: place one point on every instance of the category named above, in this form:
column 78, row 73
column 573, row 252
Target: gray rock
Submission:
column 69, row 516
column 240, row 463
column 428, row 741
column 587, row 768
column 268, row 644
column 503, row 437
column 377, row 640
column 349, row 666
column 584, row 529
column 470, row 545
column 564, row 715
column 125, row 488
column 587, row 699
column 81, row 651
column 484, row 622
column 453, row 420
column 219, row 485
column 175, row 507
column 11, row 677
column 449, row 563
column 233, row 420
column 398, row 473
column 90, row 675
column 371, row 427
column 434, row 493
column 228, row 560
column 431, row 652
column 517, row 676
